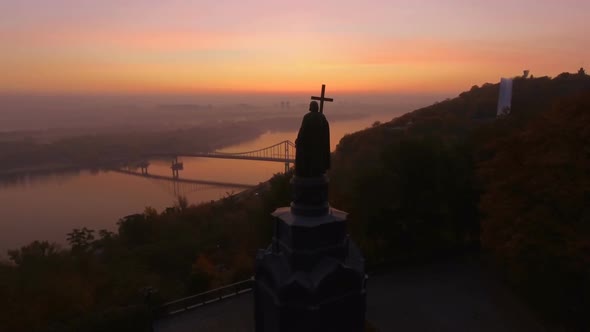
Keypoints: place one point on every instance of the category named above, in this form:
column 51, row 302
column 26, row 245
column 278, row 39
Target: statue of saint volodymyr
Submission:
column 313, row 144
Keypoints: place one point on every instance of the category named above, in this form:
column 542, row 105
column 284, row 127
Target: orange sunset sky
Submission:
column 108, row 46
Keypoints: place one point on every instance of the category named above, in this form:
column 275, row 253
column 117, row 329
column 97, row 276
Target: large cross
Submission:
column 322, row 98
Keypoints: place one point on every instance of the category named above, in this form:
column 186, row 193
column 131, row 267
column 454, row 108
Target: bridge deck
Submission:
column 168, row 178
column 224, row 156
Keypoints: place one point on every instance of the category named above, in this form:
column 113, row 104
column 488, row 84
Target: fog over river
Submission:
column 48, row 206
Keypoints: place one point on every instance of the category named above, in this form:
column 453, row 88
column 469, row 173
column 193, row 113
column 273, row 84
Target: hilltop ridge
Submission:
column 452, row 177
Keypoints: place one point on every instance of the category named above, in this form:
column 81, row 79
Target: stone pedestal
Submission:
column 312, row 277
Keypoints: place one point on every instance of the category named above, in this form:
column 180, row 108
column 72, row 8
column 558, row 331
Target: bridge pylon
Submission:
column 144, row 167
column 287, row 156
column 176, row 167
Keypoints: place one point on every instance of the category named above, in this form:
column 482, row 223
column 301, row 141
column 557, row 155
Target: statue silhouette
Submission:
column 313, row 144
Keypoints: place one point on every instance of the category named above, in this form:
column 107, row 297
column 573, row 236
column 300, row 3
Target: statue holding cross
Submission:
column 312, row 277
column 312, row 157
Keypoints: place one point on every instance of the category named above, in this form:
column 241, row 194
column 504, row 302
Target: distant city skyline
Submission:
column 179, row 47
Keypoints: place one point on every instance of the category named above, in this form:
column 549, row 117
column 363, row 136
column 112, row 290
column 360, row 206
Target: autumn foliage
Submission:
column 536, row 206
column 452, row 178
column 101, row 282
column 441, row 180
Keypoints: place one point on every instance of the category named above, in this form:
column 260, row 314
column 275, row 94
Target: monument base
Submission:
column 312, row 276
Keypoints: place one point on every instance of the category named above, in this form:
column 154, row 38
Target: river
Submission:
column 48, row 206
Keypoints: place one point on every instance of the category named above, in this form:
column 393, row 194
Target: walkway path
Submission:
column 446, row 296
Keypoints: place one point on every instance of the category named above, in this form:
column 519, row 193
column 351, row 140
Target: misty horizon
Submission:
column 26, row 113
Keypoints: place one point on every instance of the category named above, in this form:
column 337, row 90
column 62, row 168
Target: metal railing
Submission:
column 211, row 296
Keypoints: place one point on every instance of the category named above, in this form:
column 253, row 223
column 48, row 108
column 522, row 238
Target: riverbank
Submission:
column 48, row 168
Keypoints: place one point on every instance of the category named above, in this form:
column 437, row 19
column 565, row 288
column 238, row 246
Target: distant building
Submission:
column 525, row 73
column 581, row 72
column 505, row 97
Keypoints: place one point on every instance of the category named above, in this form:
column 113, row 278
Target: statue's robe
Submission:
column 313, row 146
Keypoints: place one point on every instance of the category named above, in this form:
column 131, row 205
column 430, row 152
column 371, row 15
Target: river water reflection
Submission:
column 47, row 207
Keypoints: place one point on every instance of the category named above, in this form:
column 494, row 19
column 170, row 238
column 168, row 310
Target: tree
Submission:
column 36, row 251
column 135, row 229
column 80, row 239
column 181, row 203
column 536, row 212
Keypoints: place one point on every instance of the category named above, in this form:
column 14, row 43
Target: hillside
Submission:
column 444, row 179
column 450, row 177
